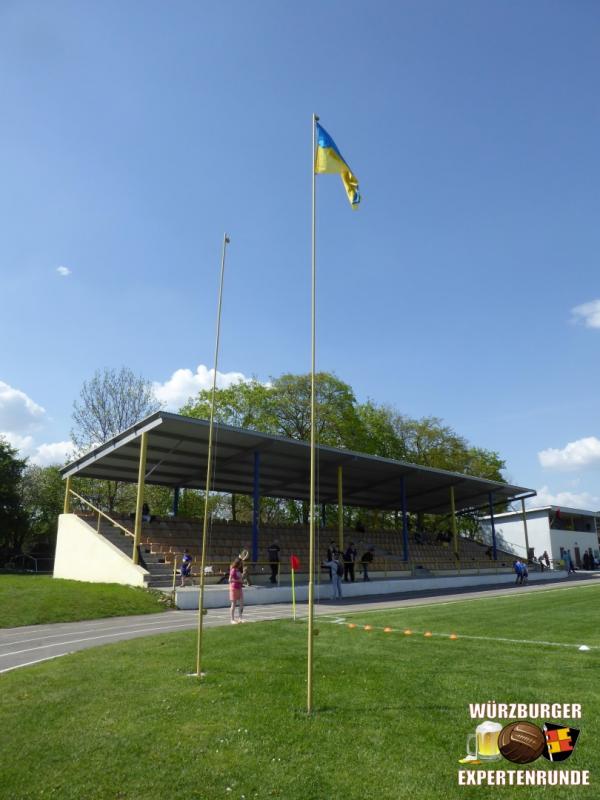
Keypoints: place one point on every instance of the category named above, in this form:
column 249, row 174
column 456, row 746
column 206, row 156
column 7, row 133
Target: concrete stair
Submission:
column 161, row 572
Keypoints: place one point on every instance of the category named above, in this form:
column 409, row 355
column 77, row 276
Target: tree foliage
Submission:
column 111, row 401
column 13, row 518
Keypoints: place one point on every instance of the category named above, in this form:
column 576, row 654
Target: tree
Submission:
column 282, row 407
column 13, row 518
column 42, row 497
column 110, row 402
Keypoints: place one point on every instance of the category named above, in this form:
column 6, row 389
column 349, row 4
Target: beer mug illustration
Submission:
column 486, row 741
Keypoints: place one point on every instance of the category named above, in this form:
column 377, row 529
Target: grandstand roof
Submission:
column 178, row 450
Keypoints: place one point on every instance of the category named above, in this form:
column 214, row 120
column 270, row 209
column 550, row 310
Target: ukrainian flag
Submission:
column 329, row 159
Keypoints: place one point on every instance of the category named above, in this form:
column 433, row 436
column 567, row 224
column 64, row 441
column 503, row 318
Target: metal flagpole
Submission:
column 311, row 510
column 226, row 241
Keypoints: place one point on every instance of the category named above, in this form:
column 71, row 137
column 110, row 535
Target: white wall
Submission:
column 84, row 555
column 569, row 540
column 512, row 530
column 218, row 596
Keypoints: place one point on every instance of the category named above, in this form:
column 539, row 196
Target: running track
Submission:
column 22, row 647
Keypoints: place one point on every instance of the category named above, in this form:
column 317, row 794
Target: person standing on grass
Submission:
column 236, row 592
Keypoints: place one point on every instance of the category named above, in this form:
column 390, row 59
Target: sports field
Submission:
column 392, row 710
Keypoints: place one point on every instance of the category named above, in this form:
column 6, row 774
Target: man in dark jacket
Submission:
column 365, row 561
column 273, row 553
column 350, row 557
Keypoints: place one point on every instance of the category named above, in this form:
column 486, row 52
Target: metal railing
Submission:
column 100, row 513
column 35, row 562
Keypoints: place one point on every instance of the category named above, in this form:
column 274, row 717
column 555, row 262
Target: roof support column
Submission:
column 404, row 520
column 256, row 506
column 340, row 493
column 494, row 550
column 67, row 505
column 175, row 501
column 525, row 529
column 140, row 497
column 454, row 527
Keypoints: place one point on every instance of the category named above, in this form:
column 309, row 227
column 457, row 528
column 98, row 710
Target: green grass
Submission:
column 33, row 600
column 391, row 711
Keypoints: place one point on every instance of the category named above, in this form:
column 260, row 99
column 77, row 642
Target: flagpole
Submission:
column 311, row 510
column 199, row 674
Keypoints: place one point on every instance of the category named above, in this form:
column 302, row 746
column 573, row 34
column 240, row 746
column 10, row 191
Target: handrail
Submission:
column 97, row 510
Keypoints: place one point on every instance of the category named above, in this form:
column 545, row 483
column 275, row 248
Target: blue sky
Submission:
column 134, row 134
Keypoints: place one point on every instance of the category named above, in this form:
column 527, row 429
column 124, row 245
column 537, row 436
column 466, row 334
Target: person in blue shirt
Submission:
column 186, row 566
column 518, row 568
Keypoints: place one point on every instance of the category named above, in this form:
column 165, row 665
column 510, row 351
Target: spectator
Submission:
column 332, row 552
column 336, row 569
column 273, row 553
column 367, row 558
column 186, row 566
column 350, row 557
column 518, row 568
column 586, row 560
column 146, row 513
column 569, row 562
column 546, row 558
column 236, row 592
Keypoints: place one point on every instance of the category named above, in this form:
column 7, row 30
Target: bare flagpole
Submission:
column 311, row 510
column 199, row 673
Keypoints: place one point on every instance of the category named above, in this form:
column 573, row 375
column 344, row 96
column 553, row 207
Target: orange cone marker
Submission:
column 368, row 628
column 408, row 632
column 387, row 630
column 351, row 625
column 453, row 636
column 428, row 634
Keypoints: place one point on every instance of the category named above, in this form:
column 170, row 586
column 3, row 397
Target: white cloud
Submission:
column 63, row 271
column 22, row 443
column 184, row 384
column 18, row 412
column 583, row 500
column 576, row 455
column 587, row 314
column 20, row 418
column 40, row 454
column 55, row 453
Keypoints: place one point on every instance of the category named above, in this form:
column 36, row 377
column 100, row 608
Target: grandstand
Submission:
column 171, row 450
column 163, row 542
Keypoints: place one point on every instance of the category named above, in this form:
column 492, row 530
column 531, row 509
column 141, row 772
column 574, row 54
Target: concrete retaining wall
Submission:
column 218, row 596
column 84, row 555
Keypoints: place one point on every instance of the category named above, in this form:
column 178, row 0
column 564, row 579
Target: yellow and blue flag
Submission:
column 329, row 159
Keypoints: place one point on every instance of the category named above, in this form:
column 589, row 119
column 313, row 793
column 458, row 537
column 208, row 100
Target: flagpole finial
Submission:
column 317, row 118
column 227, row 238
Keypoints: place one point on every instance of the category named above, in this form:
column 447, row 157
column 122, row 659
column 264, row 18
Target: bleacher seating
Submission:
column 170, row 537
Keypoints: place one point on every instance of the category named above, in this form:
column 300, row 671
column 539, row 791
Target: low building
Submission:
column 550, row 530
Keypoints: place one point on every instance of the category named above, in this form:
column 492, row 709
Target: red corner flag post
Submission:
column 294, row 564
